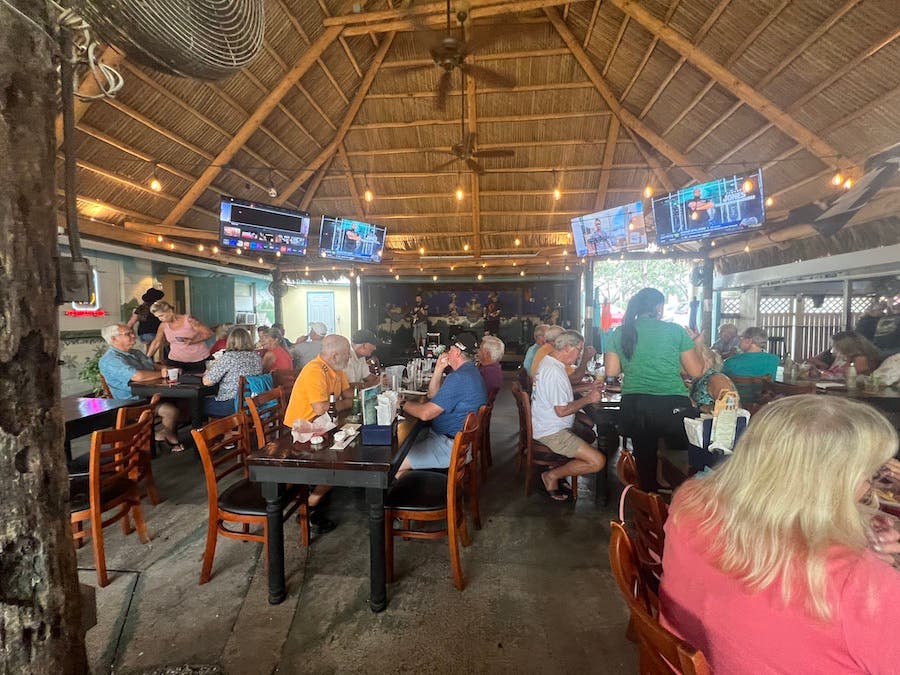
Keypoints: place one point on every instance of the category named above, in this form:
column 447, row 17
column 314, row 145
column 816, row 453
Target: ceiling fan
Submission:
column 449, row 52
column 465, row 150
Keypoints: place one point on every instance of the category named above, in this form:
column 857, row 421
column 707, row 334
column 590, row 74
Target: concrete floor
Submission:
column 539, row 594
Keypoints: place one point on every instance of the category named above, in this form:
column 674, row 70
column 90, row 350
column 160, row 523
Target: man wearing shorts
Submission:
column 449, row 403
column 553, row 411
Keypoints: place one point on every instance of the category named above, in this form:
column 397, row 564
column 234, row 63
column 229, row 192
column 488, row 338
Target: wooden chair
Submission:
column 223, row 445
column 114, row 458
column 524, row 380
column 661, row 651
column 626, row 468
column 428, row 496
column 750, row 390
column 285, row 379
column 267, row 413
column 144, row 474
column 485, row 458
column 105, row 391
column 645, row 516
column 536, row 453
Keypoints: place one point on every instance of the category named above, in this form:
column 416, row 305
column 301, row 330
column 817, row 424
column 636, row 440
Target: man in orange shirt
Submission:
column 320, row 378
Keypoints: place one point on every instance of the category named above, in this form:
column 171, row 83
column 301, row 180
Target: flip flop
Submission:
column 558, row 495
column 178, row 447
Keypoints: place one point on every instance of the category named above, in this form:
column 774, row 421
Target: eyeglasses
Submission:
column 129, row 334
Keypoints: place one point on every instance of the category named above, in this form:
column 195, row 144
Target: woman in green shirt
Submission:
column 652, row 353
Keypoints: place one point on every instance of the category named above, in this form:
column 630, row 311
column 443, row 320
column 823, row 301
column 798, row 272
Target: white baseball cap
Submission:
column 318, row 328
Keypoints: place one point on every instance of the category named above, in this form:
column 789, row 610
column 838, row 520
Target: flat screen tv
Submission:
column 720, row 207
column 262, row 228
column 354, row 240
column 610, row 231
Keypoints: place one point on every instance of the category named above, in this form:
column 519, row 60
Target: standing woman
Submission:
column 147, row 324
column 186, row 337
column 652, row 353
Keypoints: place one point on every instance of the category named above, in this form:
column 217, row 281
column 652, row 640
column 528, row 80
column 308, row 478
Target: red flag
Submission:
column 605, row 317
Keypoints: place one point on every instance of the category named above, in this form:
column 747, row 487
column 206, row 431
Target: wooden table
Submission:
column 368, row 466
column 600, row 412
column 83, row 415
column 887, row 399
column 188, row 387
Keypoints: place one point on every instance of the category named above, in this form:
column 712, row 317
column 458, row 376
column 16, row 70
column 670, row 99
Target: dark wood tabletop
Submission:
column 83, row 415
column 189, row 386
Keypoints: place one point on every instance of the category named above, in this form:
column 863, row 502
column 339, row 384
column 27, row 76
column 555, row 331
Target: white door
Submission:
column 320, row 307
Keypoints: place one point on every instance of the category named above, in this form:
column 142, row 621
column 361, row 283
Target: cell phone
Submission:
column 180, row 339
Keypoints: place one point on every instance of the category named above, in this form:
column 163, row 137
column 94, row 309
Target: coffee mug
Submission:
column 173, row 373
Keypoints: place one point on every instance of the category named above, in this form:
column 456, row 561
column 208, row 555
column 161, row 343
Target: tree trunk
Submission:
column 39, row 602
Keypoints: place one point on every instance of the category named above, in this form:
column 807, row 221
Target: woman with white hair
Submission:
column 490, row 351
column 772, row 563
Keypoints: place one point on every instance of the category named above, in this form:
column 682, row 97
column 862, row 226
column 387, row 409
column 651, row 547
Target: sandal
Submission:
column 178, row 447
column 555, row 493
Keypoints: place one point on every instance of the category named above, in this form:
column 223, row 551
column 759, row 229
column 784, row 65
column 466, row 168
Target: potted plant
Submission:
column 90, row 371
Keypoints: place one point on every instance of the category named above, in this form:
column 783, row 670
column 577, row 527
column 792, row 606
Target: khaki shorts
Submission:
column 563, row 442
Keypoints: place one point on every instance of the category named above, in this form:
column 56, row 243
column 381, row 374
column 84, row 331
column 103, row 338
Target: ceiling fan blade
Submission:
column 499, row 152
column 445, row 165
column 443, row 90
column 475, row 166
column 488, row 76
column 397, row 72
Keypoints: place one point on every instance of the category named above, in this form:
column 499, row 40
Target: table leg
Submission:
column 377, row 589
column 275, row 527
column 197, row 412
column 68, row 448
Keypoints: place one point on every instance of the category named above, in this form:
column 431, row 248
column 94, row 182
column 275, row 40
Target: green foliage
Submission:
column 618, row 280
column 90, row 370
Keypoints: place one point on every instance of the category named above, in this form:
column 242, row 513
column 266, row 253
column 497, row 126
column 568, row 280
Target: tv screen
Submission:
column 262, row 228
column 610, row 231
column 354, row 240
column 720, row 207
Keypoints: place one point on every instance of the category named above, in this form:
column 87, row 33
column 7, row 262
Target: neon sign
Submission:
column 91, row 308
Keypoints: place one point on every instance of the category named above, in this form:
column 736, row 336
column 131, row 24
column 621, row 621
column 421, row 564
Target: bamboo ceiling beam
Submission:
column 593, row 22
column 472, row 127
column 625, row 115
column 465, row 214
column 609, row 151
column 647, row 54
column 183, row 232
column 615, row 45
column 310, row 99
column 521, row 88
column 88, row 87
column 283, row 109
column 654, row 164
column 262, row 111
column 341, row 132
column 305, row 37
column 484, row 193
column 91, row 201
column 536, row 117
column 351, row 183
column 315, row 183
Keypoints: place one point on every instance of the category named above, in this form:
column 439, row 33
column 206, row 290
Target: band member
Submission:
column 419, row 319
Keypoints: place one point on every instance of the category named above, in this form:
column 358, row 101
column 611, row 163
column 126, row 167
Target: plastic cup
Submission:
column 172, row 374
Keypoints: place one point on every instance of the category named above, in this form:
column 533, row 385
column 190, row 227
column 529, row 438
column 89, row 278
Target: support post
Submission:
column 278, row 295
column 706, row 306
column 354, row 301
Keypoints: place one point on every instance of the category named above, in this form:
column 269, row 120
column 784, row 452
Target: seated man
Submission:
column 489, row 354
column 727, row 343
column 553, row 411
column 575, row 372
column 318, row 381
column 752, row 361
column 122, row 363
column 307, row 347
column 448, row 405
column 363, row 344
column 539, row 332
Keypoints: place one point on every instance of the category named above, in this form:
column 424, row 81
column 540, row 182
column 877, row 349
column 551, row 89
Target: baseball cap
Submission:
column 318, row 328
column 465, row 342
column 363, row 336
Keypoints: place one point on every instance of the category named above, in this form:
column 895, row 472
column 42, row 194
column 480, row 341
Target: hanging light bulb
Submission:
column 695, row 215
column 391, row 270
column 155, row 184
column 159, row 239
column 368, row 195
column 421, row 250
column 517, row 242
column 648, row 192
column 272, row 191
column 515, row 263
column 848, row 184
column 452, row 268
column 522, row 273
column 238, row 251
column 747, row 186
column 548, row 263
column 215, row 249
column 260, row 260
column 465, row 247
column 747, row 248
column 434, row 277
column 480, row 277
column 200, row 247
column 421, row 269
column 567, row 268
column 712, row 243
column 583, row 260
column 565, row 252
column 460, row 194
column 277, row 254
column 837, row 179
column 397, row 277
column 557, row 194
column 770, row 201
column 171, row 247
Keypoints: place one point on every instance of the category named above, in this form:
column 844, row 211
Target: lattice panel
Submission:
column 731, row 305
column 775, row 304
column 860, row 305
column 832, row 304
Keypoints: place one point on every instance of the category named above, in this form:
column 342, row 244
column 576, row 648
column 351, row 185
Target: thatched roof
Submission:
column 611, row 96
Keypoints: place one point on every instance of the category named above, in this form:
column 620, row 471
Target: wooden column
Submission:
column 40, row 613
column 706, row 313
column 278, row 295
column 588, row 281
column 354, row 302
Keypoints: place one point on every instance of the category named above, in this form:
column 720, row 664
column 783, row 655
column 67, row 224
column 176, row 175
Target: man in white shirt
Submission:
column 553, row 408
column 363, row 344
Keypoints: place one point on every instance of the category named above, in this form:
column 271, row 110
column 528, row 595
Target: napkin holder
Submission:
column 378, row 434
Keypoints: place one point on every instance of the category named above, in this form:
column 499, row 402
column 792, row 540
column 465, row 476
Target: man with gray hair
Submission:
column 122, row 363
column 752, row 361
column 307, row 347
column 728, row 342
column 553, row 409
column 539, row 332
column 489, row 354
column 575, row 372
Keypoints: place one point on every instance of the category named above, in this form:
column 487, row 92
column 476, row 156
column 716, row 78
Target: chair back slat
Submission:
column 285, row 378
column 116, row 453
column 223, row 445
column 648, row 513
column 267, row 413
column 749, row 389
column 524, row 405
column 626, row 468
column 104, row 388
column 660, row 650
column 464, row 446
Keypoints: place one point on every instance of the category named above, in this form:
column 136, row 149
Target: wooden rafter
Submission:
column 108, row 207
column 626, row 116
column 310, row 99
column 593, row 22
column 560, row 86
column 609, row 151
column 341, row 132
column 499, row 56
column 484, row 193
column 351, row 183
column 516, row 169
column 263, row 110
column 737, row 87
column 536, row 117
column 615, row 46
column 283, row 109
column 183, row 232
column 88, row 87
column 647, row 54
column 472, row 126
column 315, row 183
column 654, row 164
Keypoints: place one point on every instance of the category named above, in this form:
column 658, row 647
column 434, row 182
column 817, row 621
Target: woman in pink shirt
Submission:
column 771, row 563
column 186, row 337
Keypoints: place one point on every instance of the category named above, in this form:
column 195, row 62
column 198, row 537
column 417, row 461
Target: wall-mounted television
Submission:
column 262, row 228
column 347, row 239
column 713, row 209
column 610, row 231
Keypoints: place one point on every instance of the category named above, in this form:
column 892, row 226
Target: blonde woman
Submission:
column 767, row 564
column 705, row 389
column 186, row 337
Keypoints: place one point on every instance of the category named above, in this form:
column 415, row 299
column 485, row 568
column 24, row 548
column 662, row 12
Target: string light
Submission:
column 215, row 249
column 434, row 277
column 397, row 277
column 522, row 273
column 567, row 268
column 452, row 268
column 648, row 192
column 515, row 263
column 848, row 184
column 747, row 248
column 200, row 247
column 260, row 260
column 460, row 193
column 557, row 194
column 277, row 254
column 391, row 270
column 159, row 239
column 421, row 250
column 747, row 186
column 517, row 242
column 272, row 191
column 548, row 263
column 465, row 247
column 712, row 243
column 695, row 215
column 837, row 179
column 770, row 201
column 368, row 195
column 565, row 252
column 171, row 247
column 238, row 251
column 480, row 277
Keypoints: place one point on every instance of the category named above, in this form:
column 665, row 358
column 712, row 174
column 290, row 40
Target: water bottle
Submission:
column 851, row 377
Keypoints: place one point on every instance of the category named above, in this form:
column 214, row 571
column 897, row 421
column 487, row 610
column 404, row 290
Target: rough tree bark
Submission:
column 39, row 602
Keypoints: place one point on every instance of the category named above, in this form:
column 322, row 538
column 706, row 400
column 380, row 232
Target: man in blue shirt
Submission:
column 539, row 331
column 449, row 403
column 121, row 364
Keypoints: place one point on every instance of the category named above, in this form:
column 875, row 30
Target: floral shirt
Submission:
column 228, row 369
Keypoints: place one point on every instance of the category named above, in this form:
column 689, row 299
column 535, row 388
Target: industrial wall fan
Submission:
column 449, row 52
column 205, row 39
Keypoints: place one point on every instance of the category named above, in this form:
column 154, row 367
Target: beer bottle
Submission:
column 332, row 410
